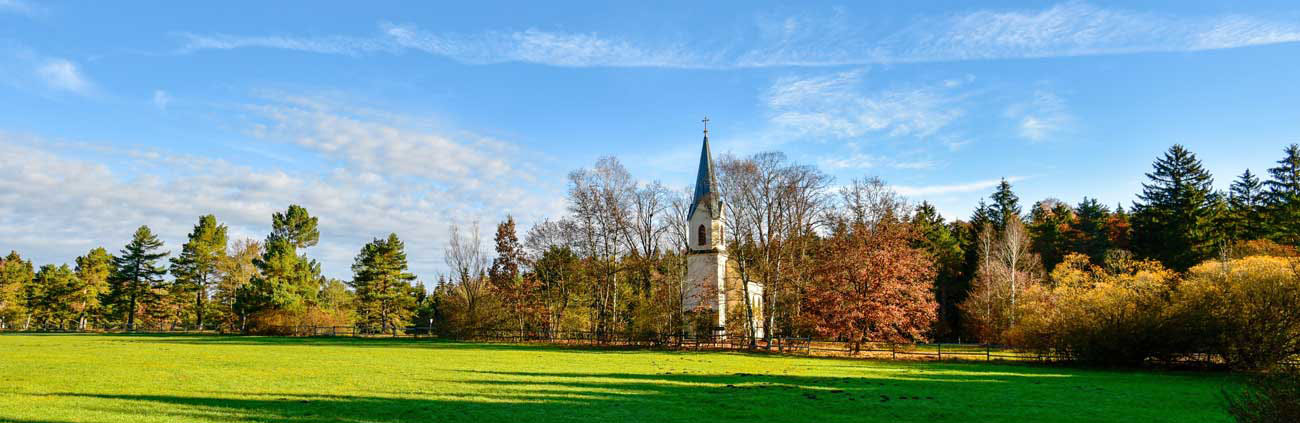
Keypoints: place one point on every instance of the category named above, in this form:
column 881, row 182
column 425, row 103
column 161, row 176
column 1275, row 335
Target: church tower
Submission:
column 706, row 261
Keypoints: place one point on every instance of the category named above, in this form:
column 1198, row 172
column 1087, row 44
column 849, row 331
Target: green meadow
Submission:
column 154, row 378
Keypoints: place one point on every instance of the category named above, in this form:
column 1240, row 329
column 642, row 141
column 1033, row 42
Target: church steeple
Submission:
column 706, row 185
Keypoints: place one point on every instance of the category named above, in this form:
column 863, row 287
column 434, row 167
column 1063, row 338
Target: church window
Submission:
column 701, row 236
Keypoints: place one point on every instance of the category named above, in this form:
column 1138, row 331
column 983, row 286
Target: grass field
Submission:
column 120, row 378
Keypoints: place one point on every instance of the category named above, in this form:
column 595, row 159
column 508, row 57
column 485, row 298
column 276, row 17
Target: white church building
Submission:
column 713, row 289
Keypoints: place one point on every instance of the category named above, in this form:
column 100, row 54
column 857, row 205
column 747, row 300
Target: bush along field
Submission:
column 167, row 378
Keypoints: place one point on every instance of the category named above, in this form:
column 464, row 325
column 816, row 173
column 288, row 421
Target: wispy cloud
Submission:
column 927, row 190
column 1040, row 117
column 839, row 106
column 837, row 39
column 161, row 99
column 61, row 74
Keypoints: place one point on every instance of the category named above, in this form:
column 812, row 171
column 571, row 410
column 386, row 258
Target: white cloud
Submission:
column 1041, row 117
column 838, row 106
column 61, row 74
column 379, row 176
column 161, row 99
column 841, row 38
column 928, row 190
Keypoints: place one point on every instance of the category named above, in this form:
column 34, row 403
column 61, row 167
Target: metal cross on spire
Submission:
column 706, row 124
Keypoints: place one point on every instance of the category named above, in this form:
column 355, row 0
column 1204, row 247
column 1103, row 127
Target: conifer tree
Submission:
column 49, row 296
column 93, row 271
column 136, row 273
column 1090, row 236
column 1172, row 220
column 384, row 293
column 1006, row 205
column 937, row 239
column 285, row 279
column 1246, row 207
column 1284, row 198
column 196, row 268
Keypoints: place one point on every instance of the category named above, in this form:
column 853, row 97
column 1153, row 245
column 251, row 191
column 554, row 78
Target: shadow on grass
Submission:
column 544, row 397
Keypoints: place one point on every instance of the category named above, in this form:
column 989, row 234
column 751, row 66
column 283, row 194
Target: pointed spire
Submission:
column 706, row 185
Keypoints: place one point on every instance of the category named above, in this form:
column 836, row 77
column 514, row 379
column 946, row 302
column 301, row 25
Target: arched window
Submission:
column 701, row 236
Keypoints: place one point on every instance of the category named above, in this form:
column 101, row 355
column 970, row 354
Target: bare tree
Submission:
column 468, row 267
column 599, row 200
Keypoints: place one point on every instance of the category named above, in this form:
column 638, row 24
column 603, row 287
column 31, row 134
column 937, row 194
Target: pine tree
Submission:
column 15, row 275
column 384, row 293
column 136, row 273
column 1050, row 230
column 1173, row 217
column 285, row 279
column 1246, row 207
column 196, row 267
column 93, row 270
column 1090, row 235
column 48, row 296
column 1284, row 198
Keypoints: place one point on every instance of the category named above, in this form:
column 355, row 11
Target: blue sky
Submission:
column 404, row 117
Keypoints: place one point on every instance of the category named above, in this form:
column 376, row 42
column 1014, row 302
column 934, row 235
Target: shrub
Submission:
column 1247, row 310
column 1115, row 315
column 1269, row 398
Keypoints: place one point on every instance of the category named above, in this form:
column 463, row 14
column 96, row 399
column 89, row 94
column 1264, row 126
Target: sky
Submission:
column 407, row 117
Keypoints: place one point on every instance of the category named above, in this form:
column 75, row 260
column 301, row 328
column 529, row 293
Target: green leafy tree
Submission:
column 233, row 292
column 15, row 275
column 1284, row 197
column 93, row 270
column 384, row 294
column 136, row 273
column 1173, row 219
column 197, row 267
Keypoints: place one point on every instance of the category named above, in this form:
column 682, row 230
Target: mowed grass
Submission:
column 143, row 378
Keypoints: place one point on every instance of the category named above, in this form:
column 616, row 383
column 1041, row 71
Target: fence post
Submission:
column 988, row 352
column 893, row 351
column 940, row 351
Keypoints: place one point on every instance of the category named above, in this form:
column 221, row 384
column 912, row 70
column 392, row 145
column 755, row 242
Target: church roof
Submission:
column 706, row 185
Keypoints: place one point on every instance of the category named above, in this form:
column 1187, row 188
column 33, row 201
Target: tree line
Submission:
column 854, row 261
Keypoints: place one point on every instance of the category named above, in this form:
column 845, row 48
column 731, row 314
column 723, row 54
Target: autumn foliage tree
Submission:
column 871, row 284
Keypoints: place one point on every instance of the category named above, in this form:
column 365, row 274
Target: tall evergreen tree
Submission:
column 937, row 238
column 1091, row 236
column 1246, row 207
column 510, row 255
column 1284, row 198
column 384, row 293
column 1006, row 205
column 285, row 279
column 136, row 273
column 1172, row 220
column 196, row 268
column 15, row 275
column 93, row 270
column 49, row 296
column 1050, row 230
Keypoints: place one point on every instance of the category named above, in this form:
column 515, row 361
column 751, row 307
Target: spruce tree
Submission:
column 1006, row 205
column 1284, row 198
column 1172, row 220
column 384, row 293
column 937, row 238
column 1090, row 236
column 196, row 267
column 137, row 272
column 1246, row 207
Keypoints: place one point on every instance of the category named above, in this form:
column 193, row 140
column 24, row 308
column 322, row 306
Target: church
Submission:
column 715, row 294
